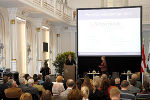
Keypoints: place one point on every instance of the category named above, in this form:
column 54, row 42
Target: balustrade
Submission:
column 55, row 8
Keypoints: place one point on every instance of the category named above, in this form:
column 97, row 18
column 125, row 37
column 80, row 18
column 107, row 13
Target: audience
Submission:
column 3, row 87
column 104, row 76
column 78, row 84
column 34, row 91
column 138, row 83
column 145, row 91
column 35, row 76
column 27, row 76
column 48, row 84
column 70, row 85
column 58, row 86
column 39, row 87
column 74, row 94
column 87, row 83
column 13, row 91
column 124, row 93
column 115, row 94
column 26, row 96
column 97, row 93
column 117, row 83
column 111, row 85
column 132, row 88
column 100, row 88
column 104, row 88
column 46, row 95
column 85, row 93
column 40, row 81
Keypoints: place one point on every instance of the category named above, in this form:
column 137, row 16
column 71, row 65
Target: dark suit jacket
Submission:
column 45, row 71
column 48, row 86
column 2, row 88
column 13, row 92
column 72, row 62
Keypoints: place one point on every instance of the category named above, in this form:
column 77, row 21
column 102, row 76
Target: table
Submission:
column 93, row 74
column 128, row 74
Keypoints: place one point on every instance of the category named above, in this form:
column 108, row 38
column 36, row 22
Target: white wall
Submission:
column 146, row 36
column 68, row 35
column 84, row 3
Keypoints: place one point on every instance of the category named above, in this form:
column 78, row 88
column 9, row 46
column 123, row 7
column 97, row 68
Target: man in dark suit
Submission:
column 70, row 61
column 28, row 88
column 45, row 70
column 3, row 87
column 124, row 93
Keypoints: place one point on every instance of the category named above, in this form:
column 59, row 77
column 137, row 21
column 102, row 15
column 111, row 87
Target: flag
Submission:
column 143, row 64
column 148, row 61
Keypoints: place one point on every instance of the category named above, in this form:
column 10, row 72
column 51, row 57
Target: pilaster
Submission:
column 12, row 12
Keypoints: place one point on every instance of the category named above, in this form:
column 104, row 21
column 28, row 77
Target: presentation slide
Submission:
column 114, row 31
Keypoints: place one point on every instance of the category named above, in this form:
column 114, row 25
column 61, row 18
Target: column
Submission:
column 58, row 35
column 39, row 37
column 21, row 46
column 13, row 32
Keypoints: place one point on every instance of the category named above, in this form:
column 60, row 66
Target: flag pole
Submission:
column 142, row 60
column 142, row 77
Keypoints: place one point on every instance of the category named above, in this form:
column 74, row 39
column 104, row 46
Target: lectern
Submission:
column 69, row 72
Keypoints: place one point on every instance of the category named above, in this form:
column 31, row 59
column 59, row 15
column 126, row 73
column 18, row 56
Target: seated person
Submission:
column 111, row 85
column 115, row 94
column 13, row 91
column 3, row 87
column 97, row 93
column 132, row 88
column 75, row 94
column 26, row 96
column 34, row 91
column 46, row 95
column 85, row 93
column 124, row 93
column 58, row 86
column 78, row 84
column 145, row 91
column 47, row 84
column 138, row 83
column 39, row 87
column 117, row 83
column 70, row 85
column 40, row 81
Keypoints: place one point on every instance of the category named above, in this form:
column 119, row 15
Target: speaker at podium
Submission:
column 69, row 72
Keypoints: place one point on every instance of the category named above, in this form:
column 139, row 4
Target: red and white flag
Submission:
column 143, row 63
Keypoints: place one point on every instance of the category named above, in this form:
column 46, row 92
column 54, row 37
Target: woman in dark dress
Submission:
column 103, row 65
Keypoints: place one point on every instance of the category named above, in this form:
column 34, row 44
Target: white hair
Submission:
column 22, row 80
column 30, row 81
column 85, row 92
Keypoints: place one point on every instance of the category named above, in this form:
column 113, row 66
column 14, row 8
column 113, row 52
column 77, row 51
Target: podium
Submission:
column 69, row 72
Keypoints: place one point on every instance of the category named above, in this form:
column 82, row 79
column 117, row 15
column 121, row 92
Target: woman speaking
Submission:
column 103, row 65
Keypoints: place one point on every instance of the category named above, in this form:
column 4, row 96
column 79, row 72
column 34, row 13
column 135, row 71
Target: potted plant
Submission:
column 60, row 61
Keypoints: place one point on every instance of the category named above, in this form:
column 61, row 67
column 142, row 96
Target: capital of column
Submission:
column 12, row 12
column 59, row 29
column 38, row 22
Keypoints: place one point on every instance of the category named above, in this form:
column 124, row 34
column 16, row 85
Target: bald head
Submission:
column 104, row 76
column 70, row 83
column 134, row 76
